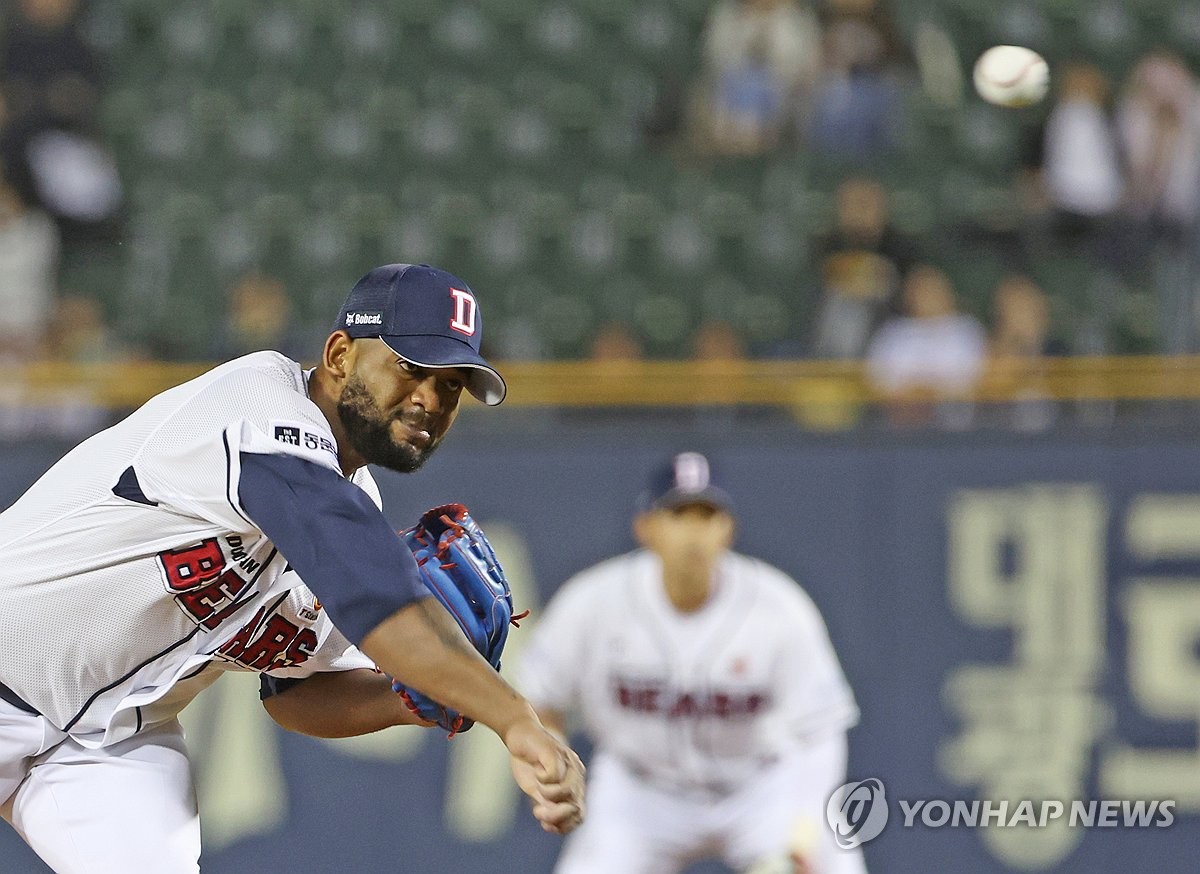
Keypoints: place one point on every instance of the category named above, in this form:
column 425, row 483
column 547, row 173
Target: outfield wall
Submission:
column 1019, row 618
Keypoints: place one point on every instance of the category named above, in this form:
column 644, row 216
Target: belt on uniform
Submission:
column 7, row 694
column 710, row 790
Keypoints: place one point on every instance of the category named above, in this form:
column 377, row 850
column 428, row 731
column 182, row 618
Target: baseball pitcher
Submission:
column 231, row 523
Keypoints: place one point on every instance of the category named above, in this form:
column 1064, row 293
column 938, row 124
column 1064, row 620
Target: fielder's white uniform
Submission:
column 719, row 732
column 130, row 578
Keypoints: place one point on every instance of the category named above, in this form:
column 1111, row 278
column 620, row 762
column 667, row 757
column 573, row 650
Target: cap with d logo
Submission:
column 426, row 316
column 685, row 480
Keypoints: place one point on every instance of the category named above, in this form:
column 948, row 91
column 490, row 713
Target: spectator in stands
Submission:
column 259, row 316
column 716, row 340
column 1158, row 119
column 926, row 362
column 29, row 246
column 13, row 135
column 79, row 333
column 53, row 86
column 859, row 265
column 857, row 112
column 1021, row 321
column 748, row 106
column 48, row 69
column 616, row 341
column 1077, row 167
column 762, row 58
column 1018, row 345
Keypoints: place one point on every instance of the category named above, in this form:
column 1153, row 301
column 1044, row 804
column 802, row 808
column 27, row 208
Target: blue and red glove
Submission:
column 460, row 568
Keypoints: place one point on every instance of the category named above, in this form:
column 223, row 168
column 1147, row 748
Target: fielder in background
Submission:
column 709, row 686
column 196, row 536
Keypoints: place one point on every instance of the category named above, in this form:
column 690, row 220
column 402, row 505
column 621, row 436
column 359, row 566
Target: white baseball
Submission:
column 1011, row 76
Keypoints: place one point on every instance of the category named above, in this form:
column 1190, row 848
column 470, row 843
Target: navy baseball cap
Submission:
column 426, row 316
column 686, row 479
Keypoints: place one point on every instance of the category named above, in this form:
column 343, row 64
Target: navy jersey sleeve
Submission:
column 329, row 530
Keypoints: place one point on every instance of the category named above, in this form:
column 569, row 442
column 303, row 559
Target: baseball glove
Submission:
column 460, row 568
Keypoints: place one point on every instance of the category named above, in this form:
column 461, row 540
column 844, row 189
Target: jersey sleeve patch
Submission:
column 301, row 438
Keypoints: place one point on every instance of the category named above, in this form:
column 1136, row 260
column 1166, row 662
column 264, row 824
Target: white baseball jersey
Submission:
column 689, row 700
column 130, row 576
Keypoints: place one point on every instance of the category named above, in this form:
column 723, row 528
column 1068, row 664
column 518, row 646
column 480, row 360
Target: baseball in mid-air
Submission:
column 1011, row 76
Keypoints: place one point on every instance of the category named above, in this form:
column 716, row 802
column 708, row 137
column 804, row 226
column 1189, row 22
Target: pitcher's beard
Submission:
column 369, row 431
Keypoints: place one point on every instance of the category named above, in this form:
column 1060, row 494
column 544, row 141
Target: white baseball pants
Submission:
column 636, row 828
column 128, row 807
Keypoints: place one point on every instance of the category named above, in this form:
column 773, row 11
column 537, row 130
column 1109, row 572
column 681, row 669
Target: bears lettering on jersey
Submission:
column 654, row 697
column 205, row 587
column 267, row 645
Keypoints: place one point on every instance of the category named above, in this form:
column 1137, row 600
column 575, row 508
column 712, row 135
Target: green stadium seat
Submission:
column 694, row 13
column 653, row 31
column 574, row 109
column 665, row 320
column 504, row 241
column 1066, row 281
column 466, row 34
column 525, row 135
column 507, row 136
column 723, row 297
column 546, row 215
column 416, row 13
column 765, row 317
column 1020, row 23
column 559, row 34
column 511, row 13
column 279, row 35
column 258, row 138
column 913, row 211
column 347, row 137
column 232, row 241
column 608, row 15
column 366, row 36
column 727, row 213
column 436, row 135
column 622, row 291
column 189, row 35
column 776, row 244
column 458, row 214
column 986, row 138
column 1183, row 30
column 563, row 319
column 637, row 215
column 106, row 27
column 685, row 245
column 366, row 212
column 413, row 239
column 593, row 245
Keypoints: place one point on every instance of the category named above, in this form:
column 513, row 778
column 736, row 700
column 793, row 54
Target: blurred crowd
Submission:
column 60, row 193
column 1110, row 177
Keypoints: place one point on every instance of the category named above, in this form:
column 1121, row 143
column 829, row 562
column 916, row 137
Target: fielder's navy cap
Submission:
column 427, row 316
column 686, row 479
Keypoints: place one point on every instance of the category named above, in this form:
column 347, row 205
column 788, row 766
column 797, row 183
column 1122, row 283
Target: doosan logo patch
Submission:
column 353, row 319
